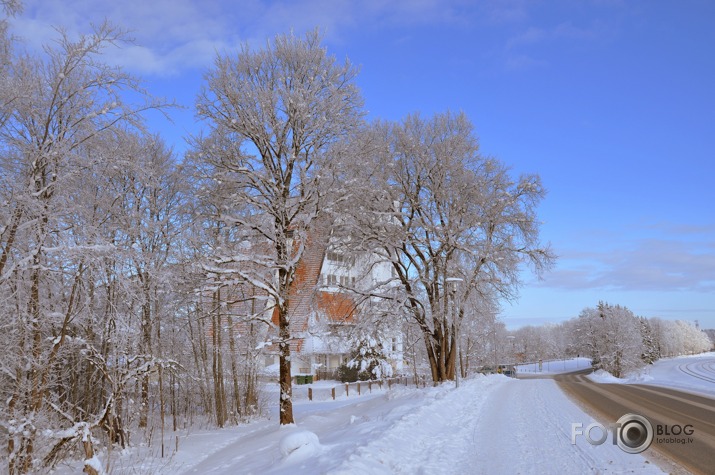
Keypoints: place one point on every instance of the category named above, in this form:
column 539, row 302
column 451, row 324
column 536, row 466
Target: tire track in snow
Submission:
column 701, row 370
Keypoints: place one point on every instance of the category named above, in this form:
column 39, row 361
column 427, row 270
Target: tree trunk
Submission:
column 217, row 365
column 234, row 371
column 146, row 348
column 88, row 455
column 284, row 363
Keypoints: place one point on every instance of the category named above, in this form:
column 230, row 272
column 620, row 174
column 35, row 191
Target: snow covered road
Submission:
column 435, row 437
column 527, row 429
column 490, row 425
column 509, row 426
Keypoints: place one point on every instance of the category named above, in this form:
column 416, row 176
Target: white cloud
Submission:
column 174, row 35
column 670, row 262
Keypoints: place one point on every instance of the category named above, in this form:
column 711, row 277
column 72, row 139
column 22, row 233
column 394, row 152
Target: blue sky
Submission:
column 611, row 102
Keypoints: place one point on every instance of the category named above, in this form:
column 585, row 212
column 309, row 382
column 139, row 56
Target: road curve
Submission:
column 662, row 406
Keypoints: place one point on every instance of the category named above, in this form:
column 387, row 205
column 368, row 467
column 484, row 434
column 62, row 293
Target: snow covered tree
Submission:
column 428, row 203
column 63, row 117
column 651, row 351
column 11, row 6
column 368, row 361
column 678, row 337
column 611, row 334
column 274, row 114
column 534, row 343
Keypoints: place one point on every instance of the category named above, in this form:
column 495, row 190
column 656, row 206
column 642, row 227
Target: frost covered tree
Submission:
column 651, row 351
column 618, row 341
column 429, row 204
column 480, row 333
column 7, row 89
column 369, row 360
column 64, row 116
column 274, row 113
column 11, row 6
column 532, row 343
column 678, row 337
column 611, row 334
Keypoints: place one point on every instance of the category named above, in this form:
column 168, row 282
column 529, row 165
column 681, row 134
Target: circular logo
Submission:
column 635, row 433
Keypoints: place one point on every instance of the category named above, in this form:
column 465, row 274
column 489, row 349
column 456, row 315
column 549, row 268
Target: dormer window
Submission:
column 341, row 259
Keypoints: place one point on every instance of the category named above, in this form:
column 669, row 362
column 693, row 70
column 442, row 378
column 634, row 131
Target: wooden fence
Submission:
column 358, row 388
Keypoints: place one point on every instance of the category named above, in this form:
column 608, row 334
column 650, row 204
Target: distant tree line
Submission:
column 613, row 337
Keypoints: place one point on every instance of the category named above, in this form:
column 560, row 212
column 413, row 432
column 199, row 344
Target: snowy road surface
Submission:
column 675, row 395
column 490, row 425
column 528, row 430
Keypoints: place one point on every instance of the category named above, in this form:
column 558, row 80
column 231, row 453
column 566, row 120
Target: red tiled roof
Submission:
column 336, row 307
column 305, row 280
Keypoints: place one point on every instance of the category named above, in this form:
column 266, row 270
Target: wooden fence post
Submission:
column 310, row 394
column 369, row 385
column 333, row 391
column 358, row 384
column 347, row 389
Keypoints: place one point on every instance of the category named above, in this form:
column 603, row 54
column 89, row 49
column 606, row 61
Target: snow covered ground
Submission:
column 490, row 425
column 554, row 366
column 687, row 373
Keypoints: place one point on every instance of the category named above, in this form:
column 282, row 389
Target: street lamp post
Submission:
column 513, row 353
column 494, row 348
column 453, row 283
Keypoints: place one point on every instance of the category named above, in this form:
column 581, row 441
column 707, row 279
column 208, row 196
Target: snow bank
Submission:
column 300, row 444
column 639, row 377
column 636, row 377
column 601, row 376
column 692, row 373
column 686, row 373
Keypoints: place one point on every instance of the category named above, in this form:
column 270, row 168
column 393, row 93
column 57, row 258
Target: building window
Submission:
column 339, row 258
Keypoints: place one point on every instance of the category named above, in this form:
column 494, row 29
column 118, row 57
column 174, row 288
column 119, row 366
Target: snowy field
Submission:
column 695, row 374
column 490, row 425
